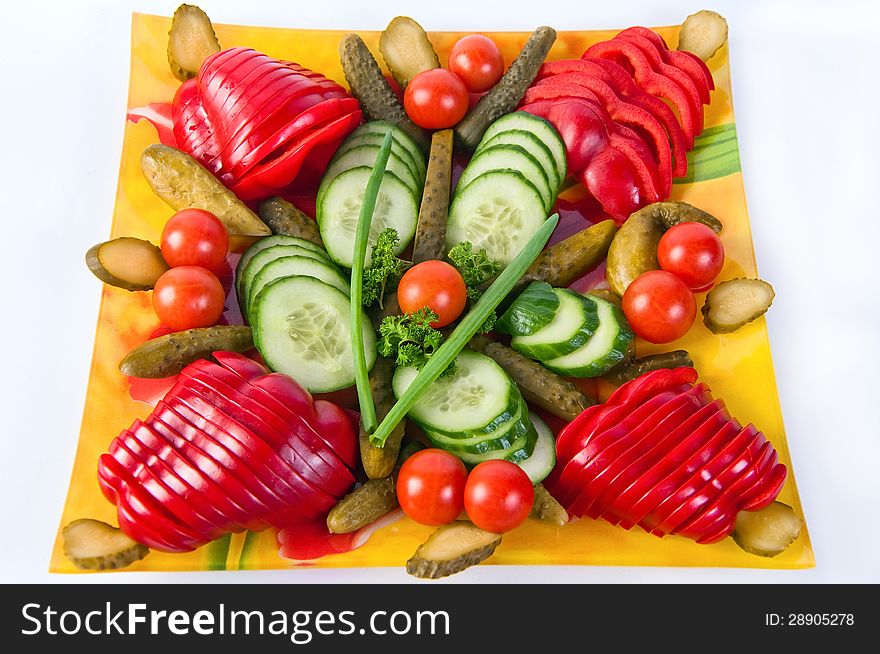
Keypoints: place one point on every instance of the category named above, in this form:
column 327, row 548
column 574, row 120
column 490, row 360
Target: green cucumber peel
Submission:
column 465, row 330
column 533, row 309
column 365, row 220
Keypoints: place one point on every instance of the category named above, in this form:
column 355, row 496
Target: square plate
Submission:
column 737, row 367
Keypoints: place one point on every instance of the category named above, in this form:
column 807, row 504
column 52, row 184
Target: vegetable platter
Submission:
column 188, row 404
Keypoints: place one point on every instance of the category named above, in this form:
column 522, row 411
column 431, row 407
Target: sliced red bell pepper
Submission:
column 620, row 111
column 179, row 507
column 134, row 524
column 685, row 61
column 193, row 130
column 187, row 461
column 159, row 115
column 651, row 81
column 177, row 484
column 243, row 366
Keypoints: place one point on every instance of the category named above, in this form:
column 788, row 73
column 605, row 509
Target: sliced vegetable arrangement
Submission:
column 402, row 245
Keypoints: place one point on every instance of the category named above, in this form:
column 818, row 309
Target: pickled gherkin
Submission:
column 95, row 545
column 406, row 49
column 190, row 41
column 284, row 219
column 167, row 355
column 735, row 303
column 451, row 549
column 362, row 506
column 767, row 532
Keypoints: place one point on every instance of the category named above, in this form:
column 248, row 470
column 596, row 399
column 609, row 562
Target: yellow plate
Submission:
column 737, row 367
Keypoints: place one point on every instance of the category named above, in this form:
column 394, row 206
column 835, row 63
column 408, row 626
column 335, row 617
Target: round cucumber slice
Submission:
column 574, row 323
column 268, row 242
column 499, row 212
column 473, row 396
column 267, row 255
column 521, row 120
column 533, row 145
column 480, row 445
column 519, row 451
column 543, row 459
column 399, row 151
column 365, row 155
column 340, row 208
column 381, row 127
column 296, row 265
column 510, row 157
column 302, row 329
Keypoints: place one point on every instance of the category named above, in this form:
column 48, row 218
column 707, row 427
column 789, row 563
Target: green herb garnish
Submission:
column 476, row 268
column 384, row 267
column 365, row 219
column 465, row 330
column 409, row 339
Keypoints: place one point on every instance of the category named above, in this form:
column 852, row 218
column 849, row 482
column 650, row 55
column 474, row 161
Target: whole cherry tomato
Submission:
column 436, row 285
column 477, row 61
column 435, row 99
column 693, row 253
column 187, row 297
column 430, row 487
column 659, row 306
column 498, row 496
column 195, row 237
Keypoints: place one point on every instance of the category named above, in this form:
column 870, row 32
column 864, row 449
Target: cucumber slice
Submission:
column 603, row 351
column 504, row 441
column 501, row 422
column 265, row 256
column 340, row 208
column 287, row 266
column 574, row 324
column 542, row 461
column 473, row 396
column 510, row 157
column 302, row 328
column 532, row 310
column 381, row 127
column 501, row 427
column 521, row 450
column 526, row 122
column 365, row 155
column 268, row 242
column 499, row 212
column 533, row 145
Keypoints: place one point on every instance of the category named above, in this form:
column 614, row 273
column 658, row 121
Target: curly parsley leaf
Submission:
column 476, row 268
column 384, row 267
column 409, row 339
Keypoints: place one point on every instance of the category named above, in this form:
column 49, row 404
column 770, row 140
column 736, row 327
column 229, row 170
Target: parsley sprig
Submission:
column 476, row 268
column 384, row 269
column 409, row 339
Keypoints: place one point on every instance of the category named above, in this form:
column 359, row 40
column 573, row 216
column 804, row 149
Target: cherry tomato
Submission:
column 693, row 253
column 436, row 285
column 195, row 237
column 477, row 61
column 430, row 487
column 188, row 296
column 659, row 306
column 435, row 99
column 498, row 496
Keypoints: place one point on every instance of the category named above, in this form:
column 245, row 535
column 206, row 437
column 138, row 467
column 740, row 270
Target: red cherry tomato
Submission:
column 693, row 253
column 435, row 99
column 430, row 487
column 195, row 237
column 659, row 306
column 477, row 61
column 436, row 285
column 498, row 496
column 188, row 296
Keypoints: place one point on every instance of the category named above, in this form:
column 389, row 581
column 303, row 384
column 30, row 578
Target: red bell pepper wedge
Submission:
column 159, row 115
column 685, row 61
column 196, row 467
column 177, row 506
column 638, row 474
column 243, row 366
column 225, row 391
column 623, row 84
column 620, row 111
column 193, row 130
column 161, row 470
column 133, row 523
column 651, row 81
column 733, row 459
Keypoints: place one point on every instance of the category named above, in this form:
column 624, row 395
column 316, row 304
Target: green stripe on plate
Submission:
column 715, row 154
column 217, row 551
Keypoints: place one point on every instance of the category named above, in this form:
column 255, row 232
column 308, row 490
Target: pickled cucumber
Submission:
column 362, row 506
column 539, row 386
column 406, row 49
column 568, row 260
column 703, row 33
column 767, row 532
column 285, row 219
column 546, row 509
column 372, row 90
column 379, row 461
column 430, row 240
column 126, row 262
column 95, row 545
column 506, row 94
column 169, row 354
column 735, row 303
column 451, row 549
column 638, row 367
column 608, row 295
column 633, row 250
column 190, row 41
column 183, row 182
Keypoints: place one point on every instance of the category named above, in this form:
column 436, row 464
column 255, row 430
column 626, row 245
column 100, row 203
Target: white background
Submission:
column 806, row 93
